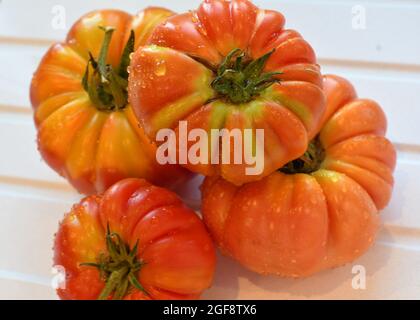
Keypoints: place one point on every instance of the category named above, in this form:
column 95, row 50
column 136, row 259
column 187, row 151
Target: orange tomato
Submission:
column 319, row 211
column 134, row 242
column 87, row 131
column 229, row 65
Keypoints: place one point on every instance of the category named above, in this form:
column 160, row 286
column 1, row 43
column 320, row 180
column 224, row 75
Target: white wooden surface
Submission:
column 383, row 61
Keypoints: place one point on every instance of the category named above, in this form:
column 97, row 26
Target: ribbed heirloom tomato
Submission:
column 318, row 211
column 229, row 65
column 136, row 241
column 87, row 131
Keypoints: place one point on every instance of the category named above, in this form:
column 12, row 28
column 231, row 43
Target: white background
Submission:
column 383, row 61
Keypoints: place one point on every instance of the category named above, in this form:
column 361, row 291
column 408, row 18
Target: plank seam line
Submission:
column 406, row 147
column 370, row 64
column 386, row 4
column 42, row 184
column 358, row 64
column 15, row 109
column 26, row 41
column 24, row 277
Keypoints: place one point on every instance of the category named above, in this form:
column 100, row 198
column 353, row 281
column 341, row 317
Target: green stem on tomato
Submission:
column 309, row 162
column 119, row 268
column 240, row 80
column 107, row 87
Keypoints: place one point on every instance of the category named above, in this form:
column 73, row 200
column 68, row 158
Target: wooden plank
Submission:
column 21, row 290
column 22, row 160
column 17, row 63
column 22, row 164
column 232, row 281
column 387, row 37
column 326, row 24
column 33, row 212
column 26, row 233
column 16, row 22
column 403, row 209
column 395, row 89
column 391, row 273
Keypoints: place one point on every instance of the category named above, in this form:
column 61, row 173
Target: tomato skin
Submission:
column 94, row 149
column 172, row 62
column 178, row 252
column 295, row 225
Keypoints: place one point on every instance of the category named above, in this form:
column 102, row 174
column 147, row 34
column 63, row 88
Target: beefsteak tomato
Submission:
column 229, row 65
column 319, row 211
column 87, row 131
column 136, row 241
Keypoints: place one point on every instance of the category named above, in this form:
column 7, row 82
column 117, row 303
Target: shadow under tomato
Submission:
column 190, row 192
column 232, row 281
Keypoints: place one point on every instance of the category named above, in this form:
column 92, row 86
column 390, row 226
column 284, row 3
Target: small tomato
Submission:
column 87, row 131
column 136, row 241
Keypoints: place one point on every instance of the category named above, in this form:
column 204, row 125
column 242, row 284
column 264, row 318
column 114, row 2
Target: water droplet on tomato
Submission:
column 194, row 18
column 138, row 68
column 160, row 69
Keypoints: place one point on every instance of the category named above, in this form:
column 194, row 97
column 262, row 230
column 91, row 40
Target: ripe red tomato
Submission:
column 229, row 65
column 319, row 211
column 136, row 241
column 87, row 131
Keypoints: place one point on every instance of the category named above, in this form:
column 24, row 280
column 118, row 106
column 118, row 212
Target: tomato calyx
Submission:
column 309, row 162
column 119, row 269
column 107, row 87
column 239, row 79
